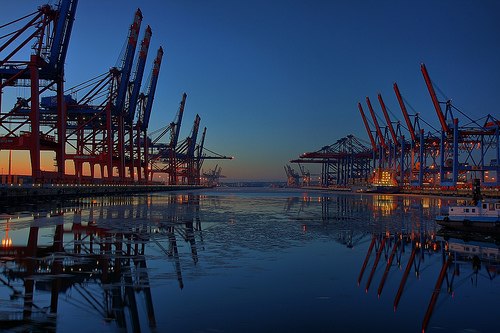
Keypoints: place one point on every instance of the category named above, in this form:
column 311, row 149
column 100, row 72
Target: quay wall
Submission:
column 29, row 192
column 492, row 193
column 486, row 193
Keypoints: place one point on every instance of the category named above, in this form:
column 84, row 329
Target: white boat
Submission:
column 482, row 216
column 479, row 215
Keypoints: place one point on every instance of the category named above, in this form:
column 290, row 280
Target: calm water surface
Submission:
column 244, row 260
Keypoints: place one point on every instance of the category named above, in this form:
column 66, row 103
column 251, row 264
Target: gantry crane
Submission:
column 95, row 131
column 186, row 154
column 387, row 170
column 464, row 150
column 145, row 106
column 99, row 138
column 384, row 152
column 292, row 177
column 415, row 153
column 395, row 143
column 118, row 107
column 44, row 70
column 212, row 177
column 368, row 130
column 380, row 137
column 166, row 153
column 426, row 159
column 201, row 156
column 93, row 123
column 346, row 161
column 131, row 106
column 181, row 161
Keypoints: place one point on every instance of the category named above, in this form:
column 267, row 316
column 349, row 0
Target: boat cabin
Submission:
column 481, row 209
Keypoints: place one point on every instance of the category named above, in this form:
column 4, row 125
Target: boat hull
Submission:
column 471, row 223
column 384, row 189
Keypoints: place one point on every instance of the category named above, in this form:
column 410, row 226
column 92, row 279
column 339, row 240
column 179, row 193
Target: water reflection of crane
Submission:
column 392, row 246
column 459, row 251
column 455, row 254
column 98, row 252
column 356, row 217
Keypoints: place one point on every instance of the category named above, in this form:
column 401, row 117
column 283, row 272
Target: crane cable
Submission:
column 19, row 19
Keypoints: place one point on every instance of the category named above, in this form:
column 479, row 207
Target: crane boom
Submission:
column 377, row 127
column 127, row 61
column 177, row 125
column 437, row 107
column 199, row 152
column 152, row 89
column 405, row 113
column 194, row 135
column 365, row 121
column 388, row 120
column 62, row 33
column 143, row 53
column 202, row 143
column 41, row 22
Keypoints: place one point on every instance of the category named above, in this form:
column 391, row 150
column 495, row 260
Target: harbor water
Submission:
column 244, row 260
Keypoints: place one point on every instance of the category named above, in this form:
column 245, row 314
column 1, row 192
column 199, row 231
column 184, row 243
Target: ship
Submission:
column 477, row 215
column 383, row 181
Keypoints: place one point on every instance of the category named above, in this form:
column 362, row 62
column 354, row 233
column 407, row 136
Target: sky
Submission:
column 274, row 79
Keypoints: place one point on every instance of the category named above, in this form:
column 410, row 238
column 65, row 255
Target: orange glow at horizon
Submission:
column 21, row 164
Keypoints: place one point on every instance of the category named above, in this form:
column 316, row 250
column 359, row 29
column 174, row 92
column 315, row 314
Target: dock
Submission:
column 10, row 193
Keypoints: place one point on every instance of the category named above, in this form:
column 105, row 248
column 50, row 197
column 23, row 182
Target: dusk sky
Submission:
column 274, row 79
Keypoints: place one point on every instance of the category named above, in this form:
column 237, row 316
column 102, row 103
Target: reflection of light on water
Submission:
column 406, row 202
column 426, row 202
column 385, row 204
column 180, row 198
column 7, row 241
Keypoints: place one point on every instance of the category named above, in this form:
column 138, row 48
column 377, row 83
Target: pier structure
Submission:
column 422, row 157
column 97, row 130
